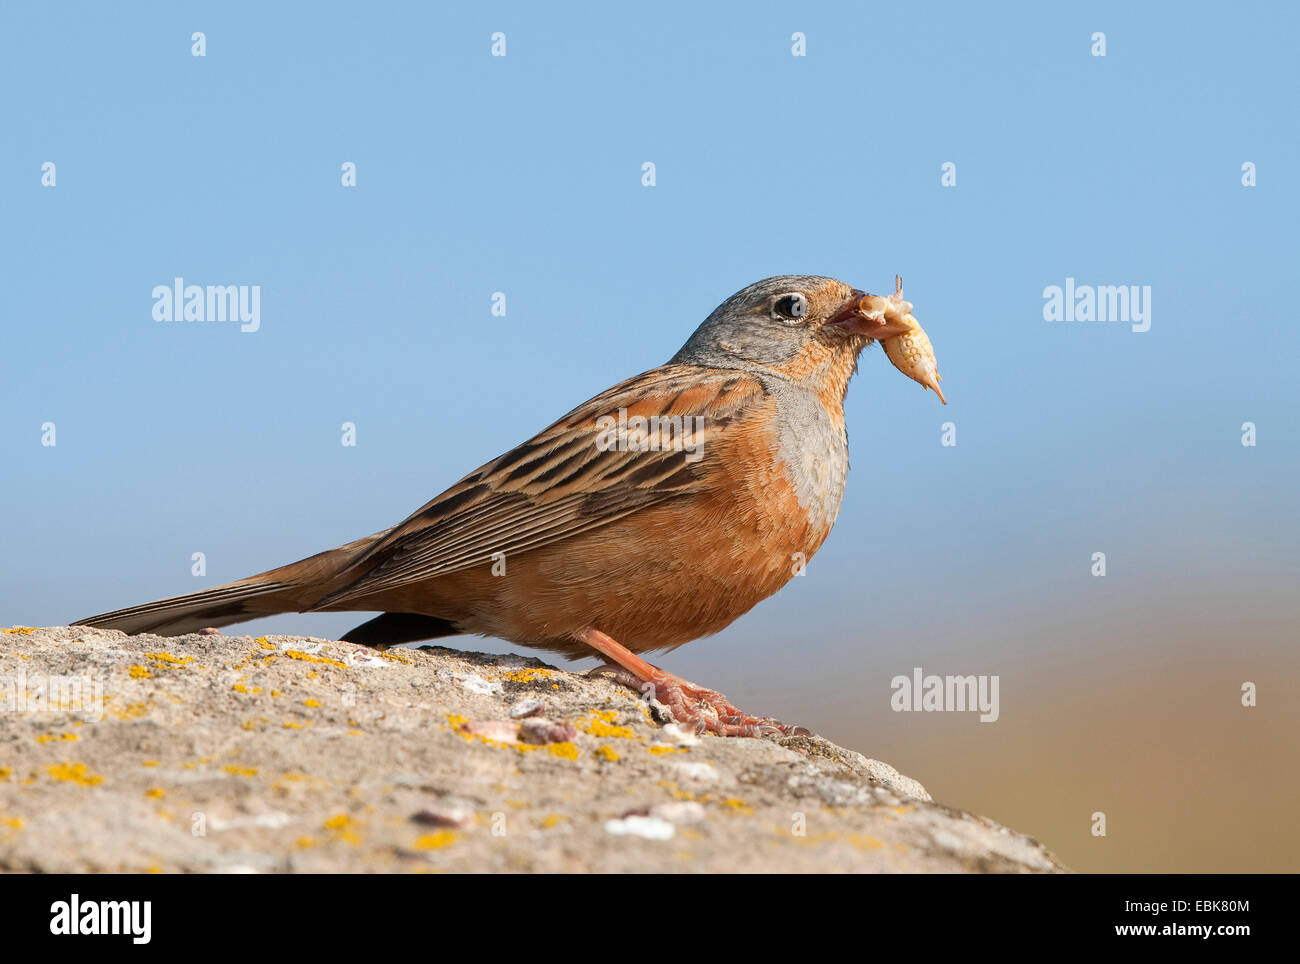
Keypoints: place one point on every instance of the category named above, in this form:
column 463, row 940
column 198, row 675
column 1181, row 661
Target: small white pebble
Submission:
column 950, row 842
column 672, row 733
column 366, row 659
column 273, row 820
column 477, row 684
column 651, row 828
column 694, row 770
column 525, row 708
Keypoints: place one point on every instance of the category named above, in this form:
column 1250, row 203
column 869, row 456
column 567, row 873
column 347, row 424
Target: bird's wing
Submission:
column 562, row 482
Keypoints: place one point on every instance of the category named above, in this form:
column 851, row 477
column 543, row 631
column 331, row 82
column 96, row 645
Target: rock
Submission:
column 292, row 754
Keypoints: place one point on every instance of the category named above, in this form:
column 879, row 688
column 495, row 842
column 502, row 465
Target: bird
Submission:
column 651, row 515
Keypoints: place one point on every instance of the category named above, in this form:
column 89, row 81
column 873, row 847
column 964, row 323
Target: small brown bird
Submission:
column 651, row 515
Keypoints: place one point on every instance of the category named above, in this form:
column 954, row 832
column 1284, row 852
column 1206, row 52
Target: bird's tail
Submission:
column 288, row 589
column 218, row 606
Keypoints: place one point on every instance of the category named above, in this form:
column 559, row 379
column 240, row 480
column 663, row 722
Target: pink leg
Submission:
column 691, row 704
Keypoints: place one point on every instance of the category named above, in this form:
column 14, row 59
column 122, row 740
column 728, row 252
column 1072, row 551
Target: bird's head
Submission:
column 797, row 325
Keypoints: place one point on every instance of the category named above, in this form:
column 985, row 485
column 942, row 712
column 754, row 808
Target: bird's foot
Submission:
column 692, row 705
column 697, row 707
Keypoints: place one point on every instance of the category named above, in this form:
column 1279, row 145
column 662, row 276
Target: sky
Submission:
column 1166, row 164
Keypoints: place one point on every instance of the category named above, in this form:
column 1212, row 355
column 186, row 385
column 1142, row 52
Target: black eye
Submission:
column 793, row 307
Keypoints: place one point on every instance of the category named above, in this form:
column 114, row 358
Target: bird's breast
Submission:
column 813, row 448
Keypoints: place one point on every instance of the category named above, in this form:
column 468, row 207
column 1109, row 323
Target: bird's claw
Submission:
column 699, row 708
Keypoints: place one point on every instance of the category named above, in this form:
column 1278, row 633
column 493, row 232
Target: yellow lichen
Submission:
column 240, row 771
column 132, row 711
column 607, row 753
column 524, row 675
column 600, row 724
column 74, row 773
column 740, row 806
column 167, row 659
column 435, row 841
column 155, row 793
column 308, row 657
column 139, row 672
column 660, row 749
column 311, row 703
column 149, row 763
column 566, row 750
column 21, row 630
column 342, row 827
column 51, row 737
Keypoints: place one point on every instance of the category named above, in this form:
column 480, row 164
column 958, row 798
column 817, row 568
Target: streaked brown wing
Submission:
column 560, row 482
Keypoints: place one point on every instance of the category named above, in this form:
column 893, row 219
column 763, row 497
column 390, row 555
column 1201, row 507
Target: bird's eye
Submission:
column 792, row 307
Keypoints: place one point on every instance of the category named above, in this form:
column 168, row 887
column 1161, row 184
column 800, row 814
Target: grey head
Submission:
column 773, row 322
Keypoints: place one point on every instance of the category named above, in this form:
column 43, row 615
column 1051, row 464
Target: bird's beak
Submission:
column 862, row 314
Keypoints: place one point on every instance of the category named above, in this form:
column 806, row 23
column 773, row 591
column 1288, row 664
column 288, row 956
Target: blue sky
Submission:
column 522, row 174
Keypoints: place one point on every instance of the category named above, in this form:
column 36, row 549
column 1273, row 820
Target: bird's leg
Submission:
column 691, row 704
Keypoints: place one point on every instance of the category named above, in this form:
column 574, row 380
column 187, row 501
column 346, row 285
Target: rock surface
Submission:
column 290, row 754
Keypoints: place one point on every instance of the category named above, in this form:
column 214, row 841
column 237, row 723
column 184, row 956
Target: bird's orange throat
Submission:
column 826, row 368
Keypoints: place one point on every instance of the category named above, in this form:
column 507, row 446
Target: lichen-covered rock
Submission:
column 285, row 753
